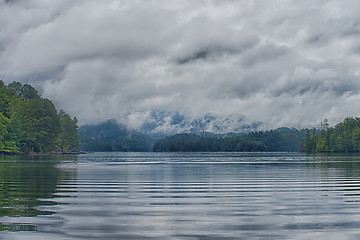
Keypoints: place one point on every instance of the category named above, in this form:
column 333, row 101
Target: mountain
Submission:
column 113, row 136
column 165, row 123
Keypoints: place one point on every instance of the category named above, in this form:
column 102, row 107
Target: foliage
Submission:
column 343, row 137
column 111, row 136
column 68, row 137
column 30, row 123
column 283, row 139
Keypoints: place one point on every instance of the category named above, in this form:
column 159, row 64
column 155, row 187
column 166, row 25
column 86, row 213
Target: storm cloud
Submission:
column 282, row 62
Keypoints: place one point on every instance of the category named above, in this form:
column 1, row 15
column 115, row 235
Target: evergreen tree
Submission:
column 343, row 137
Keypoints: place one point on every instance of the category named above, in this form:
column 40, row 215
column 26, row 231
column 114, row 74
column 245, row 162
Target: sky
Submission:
column 282, row 62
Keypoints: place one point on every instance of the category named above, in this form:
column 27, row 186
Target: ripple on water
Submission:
column 183, row 196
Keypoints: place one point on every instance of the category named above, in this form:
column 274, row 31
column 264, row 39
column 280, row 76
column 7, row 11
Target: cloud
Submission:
column 288, row 63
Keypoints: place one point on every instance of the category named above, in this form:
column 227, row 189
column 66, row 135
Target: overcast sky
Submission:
column 282, row 62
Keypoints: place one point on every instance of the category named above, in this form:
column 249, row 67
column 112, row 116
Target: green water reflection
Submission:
column 346, row 165
column 26, row 183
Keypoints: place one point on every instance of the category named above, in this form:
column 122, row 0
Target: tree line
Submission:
column 343, row 137
column 30, row 123
column 111, row 136
column 283, row 140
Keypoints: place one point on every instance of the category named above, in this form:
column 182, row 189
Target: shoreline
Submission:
column 43, row 154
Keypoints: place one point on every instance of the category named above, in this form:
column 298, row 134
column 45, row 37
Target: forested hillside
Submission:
column 30, row 123
column 112, row 136
column 283, row 139
column 343, row 137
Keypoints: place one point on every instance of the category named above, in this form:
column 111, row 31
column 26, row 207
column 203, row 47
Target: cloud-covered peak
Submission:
column 165, row 123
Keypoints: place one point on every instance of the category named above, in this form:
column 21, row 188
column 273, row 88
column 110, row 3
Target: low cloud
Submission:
column 285, row 63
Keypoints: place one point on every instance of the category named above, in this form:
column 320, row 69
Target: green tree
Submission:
column 5, row 99
column 23, row 91
column 356, row 139
column 6, row 144
column 37, row 124
column 68, row 137
column 343, row 137
column 29, row 122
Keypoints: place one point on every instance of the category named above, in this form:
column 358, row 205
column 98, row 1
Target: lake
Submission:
column 187, row 196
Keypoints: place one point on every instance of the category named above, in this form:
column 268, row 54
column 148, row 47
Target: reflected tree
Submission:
column 27, row 183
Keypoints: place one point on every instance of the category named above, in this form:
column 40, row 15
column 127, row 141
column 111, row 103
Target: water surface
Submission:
column 197, row 196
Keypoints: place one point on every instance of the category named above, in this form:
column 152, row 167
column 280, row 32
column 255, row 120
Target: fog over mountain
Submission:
column 283, row 62
column 164, row 123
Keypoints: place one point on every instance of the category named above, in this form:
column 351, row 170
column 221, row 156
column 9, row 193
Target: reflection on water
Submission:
column 26, row 185
column 180, row 196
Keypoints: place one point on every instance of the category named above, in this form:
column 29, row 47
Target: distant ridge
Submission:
column 113, row 136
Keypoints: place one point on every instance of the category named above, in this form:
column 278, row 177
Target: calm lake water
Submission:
column 190, row 196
